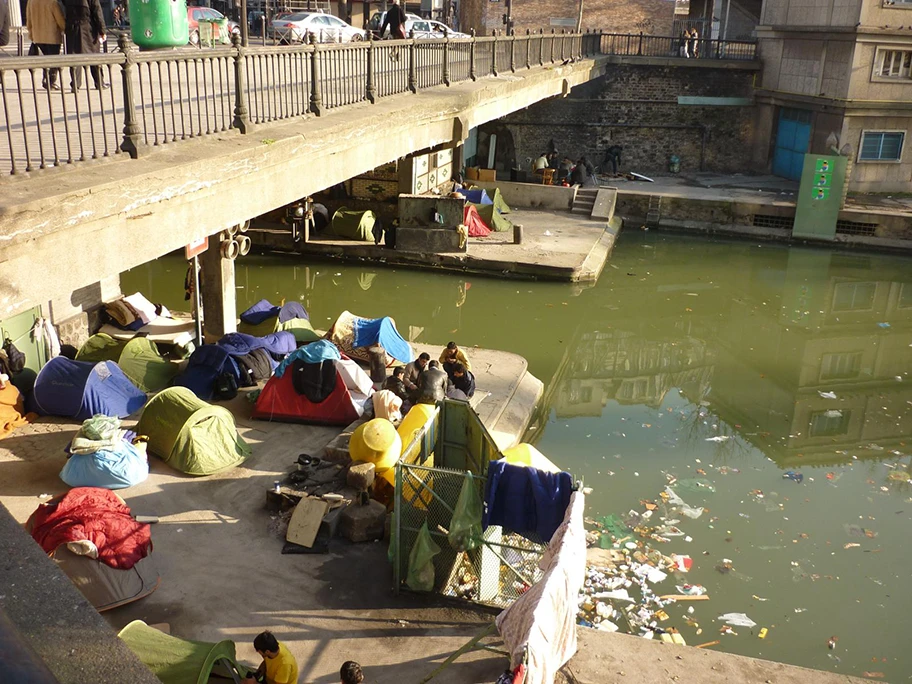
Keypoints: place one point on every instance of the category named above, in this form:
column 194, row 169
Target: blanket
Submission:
column 12, row 410
column 95, row 515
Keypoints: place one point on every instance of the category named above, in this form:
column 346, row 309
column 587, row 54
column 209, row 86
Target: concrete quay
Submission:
column 557, row 246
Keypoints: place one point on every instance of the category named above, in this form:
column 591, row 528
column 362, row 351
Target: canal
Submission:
column 771, row 384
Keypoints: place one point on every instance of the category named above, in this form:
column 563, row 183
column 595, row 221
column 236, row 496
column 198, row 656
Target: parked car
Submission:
column 376, row 21
column 195, row 14
column 429, row 29
column 296, row 28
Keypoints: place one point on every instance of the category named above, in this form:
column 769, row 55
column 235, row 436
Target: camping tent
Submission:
column 116, row 467
column 354, row 225
column 315, row 385
column 265, row 317
column 354, row 334
column 190, row 435
column 493, row 218
column 181, row 661
column 472, row 221
column 204, row 368
column 138, row 358
column 74, row 389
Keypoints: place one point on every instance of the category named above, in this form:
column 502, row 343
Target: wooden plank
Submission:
column 305, row 521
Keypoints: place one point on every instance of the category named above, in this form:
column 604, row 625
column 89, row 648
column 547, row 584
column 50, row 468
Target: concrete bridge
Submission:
column 213, row 138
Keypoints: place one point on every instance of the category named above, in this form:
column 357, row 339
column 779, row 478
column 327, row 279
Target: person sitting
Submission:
column 463, row 380
column 451, row 356
column 278, row 666
column 396, row 383
column 351, row 673
column 432, row 385
column 541, row 163
column 414, row 370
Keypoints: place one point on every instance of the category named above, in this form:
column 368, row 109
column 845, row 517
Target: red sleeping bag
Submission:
column 97, row 515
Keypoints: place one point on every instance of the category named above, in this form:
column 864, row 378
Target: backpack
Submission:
column 16, row 358
column 225, row 387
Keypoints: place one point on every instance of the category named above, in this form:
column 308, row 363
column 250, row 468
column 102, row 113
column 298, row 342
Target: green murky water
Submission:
column 683, row 340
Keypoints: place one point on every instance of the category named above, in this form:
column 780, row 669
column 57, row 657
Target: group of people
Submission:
column 566, row 171
column 427, row 381
column 280, row 667
column 83, row 24
column 690, row 42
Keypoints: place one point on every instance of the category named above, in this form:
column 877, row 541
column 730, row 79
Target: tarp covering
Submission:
column 95, row 515
column 178, row 661
column 315, row 352
column 291, row 311
column 472, row 221
column 12, row 410
column 116, row 467
column 74, row 389
column 354, row 225
column 263, row 310
column 138, row 358
column 190, row 435
column 204, row 367
column 280, row 400
column 493, row 218
column 477, row 196
column 354, row 334
column 239, row 344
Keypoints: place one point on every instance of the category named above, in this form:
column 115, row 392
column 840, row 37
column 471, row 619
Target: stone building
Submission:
column 840, row 67
column 652, row 17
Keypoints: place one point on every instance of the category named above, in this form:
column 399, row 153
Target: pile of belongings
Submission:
column 12, row 407
column 103, row 455
column 257, row 357
column 264, row 317
column 134, row 311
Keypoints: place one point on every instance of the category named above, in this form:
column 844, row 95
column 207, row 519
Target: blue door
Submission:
column 793, row 138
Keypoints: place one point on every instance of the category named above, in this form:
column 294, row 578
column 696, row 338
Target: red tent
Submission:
column 344, row 403
column 477, row 227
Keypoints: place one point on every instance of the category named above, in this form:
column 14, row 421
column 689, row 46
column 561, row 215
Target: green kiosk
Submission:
column 819, row 197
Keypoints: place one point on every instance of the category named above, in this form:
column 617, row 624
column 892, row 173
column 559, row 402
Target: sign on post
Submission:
column 196, row 247
column 819, row 196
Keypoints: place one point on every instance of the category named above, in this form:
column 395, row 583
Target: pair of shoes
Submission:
column 103, row 86
column 54, row 86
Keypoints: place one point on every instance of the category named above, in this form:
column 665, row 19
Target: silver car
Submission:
column 298, row 27
column 428, row 29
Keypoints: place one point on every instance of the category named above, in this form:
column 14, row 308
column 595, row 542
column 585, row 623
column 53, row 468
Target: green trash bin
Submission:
column 159, row 23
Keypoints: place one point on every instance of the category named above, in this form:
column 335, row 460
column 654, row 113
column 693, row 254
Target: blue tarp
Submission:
column 477, row 196
column 204, row 367
column 77, row 389
column 239, row 344
column 115, row 468
column 259, row 312
column 368, row 332
column 315, row 352
column 292, row 310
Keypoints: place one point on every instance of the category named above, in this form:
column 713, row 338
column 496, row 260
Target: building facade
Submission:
column 837, row 71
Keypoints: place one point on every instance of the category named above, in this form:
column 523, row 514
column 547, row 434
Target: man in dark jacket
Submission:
column 432, row 385
column 85, row 32
column 463, row 382
column 395, row 19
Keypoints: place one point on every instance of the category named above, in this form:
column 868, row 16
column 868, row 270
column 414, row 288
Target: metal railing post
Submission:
column 494, row 54
column 131, row 131
column 563, row 40
column 541, row 47
column 640, row 45
column 512, row 52
column 472, row 76
column 413, row 66
column 552, row 45
column 241, row 121
column 316, row 93
column 445, row 76
column 371, row 90
column 528, row 47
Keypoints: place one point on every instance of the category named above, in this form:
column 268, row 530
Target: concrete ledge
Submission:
column 531, row 195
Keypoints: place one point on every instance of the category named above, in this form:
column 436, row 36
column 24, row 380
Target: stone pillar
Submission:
column 217, row 285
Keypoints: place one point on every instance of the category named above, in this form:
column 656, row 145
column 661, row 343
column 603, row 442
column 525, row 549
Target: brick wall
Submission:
column 635, row 106
column 615, row 16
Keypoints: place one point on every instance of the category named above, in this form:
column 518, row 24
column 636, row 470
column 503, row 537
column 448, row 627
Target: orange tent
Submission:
column 477, row 227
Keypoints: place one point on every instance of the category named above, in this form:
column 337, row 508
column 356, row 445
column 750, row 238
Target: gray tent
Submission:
column 106, row 587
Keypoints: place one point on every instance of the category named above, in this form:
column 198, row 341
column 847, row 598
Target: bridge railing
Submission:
column 641, row 45
column 130, row 101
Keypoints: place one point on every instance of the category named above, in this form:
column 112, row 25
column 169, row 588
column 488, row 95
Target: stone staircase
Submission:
column 584, row 201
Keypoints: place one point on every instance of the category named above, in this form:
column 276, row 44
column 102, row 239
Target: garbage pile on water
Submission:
column 630, row 581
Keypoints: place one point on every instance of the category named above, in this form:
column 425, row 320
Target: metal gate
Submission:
column 503, row 564
column 793, row 137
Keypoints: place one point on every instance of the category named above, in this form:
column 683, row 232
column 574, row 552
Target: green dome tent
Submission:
column 190, row 435
column 181, row 661
column 354, row 225
column 138, row 358
column 493, row 218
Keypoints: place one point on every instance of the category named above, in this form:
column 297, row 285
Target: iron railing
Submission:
column 143, row 100
column 641, row 45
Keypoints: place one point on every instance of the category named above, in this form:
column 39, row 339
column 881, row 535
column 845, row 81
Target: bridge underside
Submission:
column 83, row 225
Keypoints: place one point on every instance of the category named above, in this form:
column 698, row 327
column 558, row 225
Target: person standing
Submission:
column 45, row 22
column 694, row 42
column 685, row 43
column 85, row 32
column 395, row 19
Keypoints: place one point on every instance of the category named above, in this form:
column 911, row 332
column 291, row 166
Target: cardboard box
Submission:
column 487, row 175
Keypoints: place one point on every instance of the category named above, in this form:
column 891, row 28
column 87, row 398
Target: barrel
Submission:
column 159, row 23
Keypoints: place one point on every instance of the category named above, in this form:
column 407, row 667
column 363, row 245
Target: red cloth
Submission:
column 476, row 225
column 97, row 515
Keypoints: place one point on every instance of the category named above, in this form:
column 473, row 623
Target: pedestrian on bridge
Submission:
column 45, row 22
column 395, row 19
column 85, row 32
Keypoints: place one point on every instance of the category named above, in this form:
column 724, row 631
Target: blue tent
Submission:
column 263, row 310
column 368, row 332
column 278, row 343
column 292, row 310
column 116, row 468
column 315, row 352
column 204, row 367
column 76, row 389
column 477, row 196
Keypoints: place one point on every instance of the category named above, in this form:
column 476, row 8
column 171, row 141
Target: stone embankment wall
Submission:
column 636, row 107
